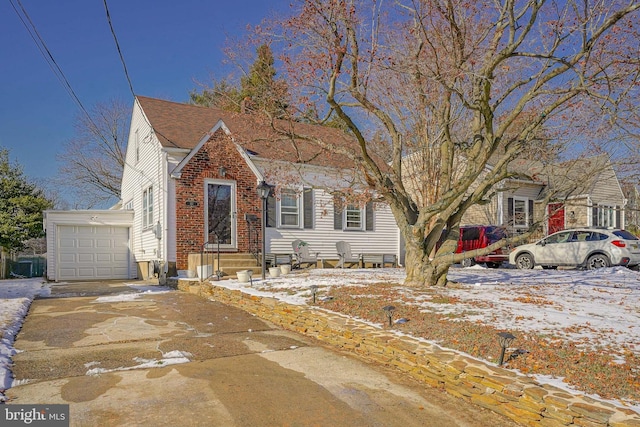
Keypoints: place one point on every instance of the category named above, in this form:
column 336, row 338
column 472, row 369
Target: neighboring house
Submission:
column 582, row 193
column 191, row 175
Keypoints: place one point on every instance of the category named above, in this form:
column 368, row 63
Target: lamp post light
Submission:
column 505, row 339
column 389, row 309
column 264, row 190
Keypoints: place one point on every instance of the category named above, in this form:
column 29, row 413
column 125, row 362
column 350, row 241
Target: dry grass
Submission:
column 607, row 372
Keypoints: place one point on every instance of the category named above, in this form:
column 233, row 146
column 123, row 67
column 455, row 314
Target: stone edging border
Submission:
column 502, row 391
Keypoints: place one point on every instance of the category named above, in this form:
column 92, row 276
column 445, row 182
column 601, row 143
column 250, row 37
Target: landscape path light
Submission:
column 314, row 291
column 389, row 309
column 505, row 339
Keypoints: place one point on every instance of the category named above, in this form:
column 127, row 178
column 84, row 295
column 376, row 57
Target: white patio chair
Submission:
column 345, row 256
column 301, row 254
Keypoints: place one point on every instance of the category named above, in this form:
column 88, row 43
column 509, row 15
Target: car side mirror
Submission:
column 542, row 243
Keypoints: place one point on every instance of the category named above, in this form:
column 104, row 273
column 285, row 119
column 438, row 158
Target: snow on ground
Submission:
column 587, row 307
column 15, row 299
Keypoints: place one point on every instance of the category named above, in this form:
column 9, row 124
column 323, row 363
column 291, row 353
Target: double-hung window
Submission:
column 353, row 217
column 289, row 209
column 295, row 209
column 147, row 207
column 520, row 212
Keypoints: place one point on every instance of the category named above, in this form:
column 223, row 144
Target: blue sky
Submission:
column 167, row 44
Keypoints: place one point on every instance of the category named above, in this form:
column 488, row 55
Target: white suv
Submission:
column 582, row 247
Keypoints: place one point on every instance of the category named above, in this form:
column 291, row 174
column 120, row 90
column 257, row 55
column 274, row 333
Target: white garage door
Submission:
column 90, row 252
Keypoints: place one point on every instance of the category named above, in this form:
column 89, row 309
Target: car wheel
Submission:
column 493, row 264
column 467, row 262
column 597, row 261
column 524, row 262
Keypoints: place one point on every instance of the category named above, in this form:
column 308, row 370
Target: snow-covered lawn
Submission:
column 592, row 309
column 587, row 307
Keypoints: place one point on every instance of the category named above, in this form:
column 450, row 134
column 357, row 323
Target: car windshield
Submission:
column 623, row 234
column 496, row 233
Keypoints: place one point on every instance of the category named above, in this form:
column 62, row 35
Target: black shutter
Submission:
column 510, row 218
column 594, row 215
column 271, row 211
column 618, row 223
column 530, row 213
column 369, row 217
column 307, row 201
column 337, row 214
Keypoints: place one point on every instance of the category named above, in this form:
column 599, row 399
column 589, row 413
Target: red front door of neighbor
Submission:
column 556, row 217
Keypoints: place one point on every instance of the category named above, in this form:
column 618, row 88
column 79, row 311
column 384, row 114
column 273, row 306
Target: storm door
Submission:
column 220, row 214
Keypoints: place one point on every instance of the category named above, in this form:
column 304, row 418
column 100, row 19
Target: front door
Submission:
column 220, row 214
column 556, row 217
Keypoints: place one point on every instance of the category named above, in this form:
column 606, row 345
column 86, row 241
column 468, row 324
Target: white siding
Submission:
column 147, row 168
column 322, row 238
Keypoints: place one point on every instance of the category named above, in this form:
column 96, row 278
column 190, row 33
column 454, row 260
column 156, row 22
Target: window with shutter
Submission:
column 520, row 212
column 289, row 209
column 353, row 217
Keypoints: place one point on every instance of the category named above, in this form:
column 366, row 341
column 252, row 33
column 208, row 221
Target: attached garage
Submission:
column 89, row 245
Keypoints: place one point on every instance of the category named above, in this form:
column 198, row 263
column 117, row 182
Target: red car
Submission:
column 480, row 236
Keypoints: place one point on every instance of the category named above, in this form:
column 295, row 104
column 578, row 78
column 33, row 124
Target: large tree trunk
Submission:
column 421, row 270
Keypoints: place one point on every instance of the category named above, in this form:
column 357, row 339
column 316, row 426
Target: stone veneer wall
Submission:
column 505, row 392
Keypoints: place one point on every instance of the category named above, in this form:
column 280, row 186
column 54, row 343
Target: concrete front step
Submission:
column 230, row 262
column 240, row 263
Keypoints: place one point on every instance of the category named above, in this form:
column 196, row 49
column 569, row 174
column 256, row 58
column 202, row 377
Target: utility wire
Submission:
column 115, row 39
column 126, row 72
column 48, row 57
column 56, row 69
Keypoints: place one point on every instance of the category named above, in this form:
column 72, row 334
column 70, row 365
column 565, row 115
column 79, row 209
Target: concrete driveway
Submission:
column 150, row 356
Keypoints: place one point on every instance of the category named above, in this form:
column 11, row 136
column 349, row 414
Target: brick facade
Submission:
column 190, row 204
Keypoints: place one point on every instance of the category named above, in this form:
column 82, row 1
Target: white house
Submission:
column 191, row 175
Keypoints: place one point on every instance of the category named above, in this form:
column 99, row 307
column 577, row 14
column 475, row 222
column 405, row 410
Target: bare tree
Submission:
column 457, row 90
column 93, row 161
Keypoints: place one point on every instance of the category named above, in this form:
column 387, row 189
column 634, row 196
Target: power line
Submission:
column 126, row 72
column 115, row 39
column 47, row 55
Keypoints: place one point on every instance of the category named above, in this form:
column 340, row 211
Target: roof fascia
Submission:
column 177, row 171
column 252, row 166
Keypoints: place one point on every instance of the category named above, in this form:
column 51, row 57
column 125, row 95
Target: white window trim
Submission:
column 363, row 218
column 610, row 220
column 299, row 207
column 526, row 212
column 147, row 207
column 233, row 213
